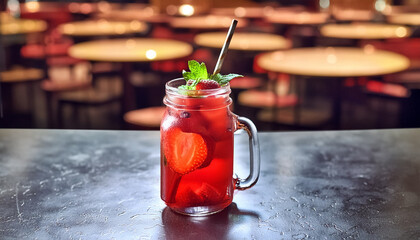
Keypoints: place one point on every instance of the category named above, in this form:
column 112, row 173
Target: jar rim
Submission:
column 193, row 99
column 171, row 87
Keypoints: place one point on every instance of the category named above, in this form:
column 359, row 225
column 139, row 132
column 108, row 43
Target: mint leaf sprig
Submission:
column 198, row 72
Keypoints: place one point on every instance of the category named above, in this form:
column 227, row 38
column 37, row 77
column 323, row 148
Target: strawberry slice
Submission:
column 196, row 194
column 187, row 196
column 185, row 152
column 209, row 194
column 207, row 84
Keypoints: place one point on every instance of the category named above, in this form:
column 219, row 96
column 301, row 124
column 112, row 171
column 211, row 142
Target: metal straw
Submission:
column 225, row 47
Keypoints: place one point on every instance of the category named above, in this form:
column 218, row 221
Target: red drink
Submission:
column 197, row 151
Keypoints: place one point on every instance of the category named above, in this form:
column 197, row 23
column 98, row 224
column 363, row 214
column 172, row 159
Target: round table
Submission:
column 12, row 31
column 334, row 62
column 352, row 14
column 21, row 75
column 365, row 31
column 296, row 17
column 300, row 26
column 87, row 8
column 410, row 18
column 147, row 14
column 128, row 51
column 337, row 63
column 43, row 6
column 245, row 12
column 246, row 44
column 11, row 26
column 243, row 41
column 102, row 27
column 9, row 79
column 131, row 50
column 205, row 22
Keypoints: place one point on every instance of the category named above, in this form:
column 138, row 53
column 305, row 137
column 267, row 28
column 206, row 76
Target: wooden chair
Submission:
column 13, row 78
column 104, row 93
column 388, row 94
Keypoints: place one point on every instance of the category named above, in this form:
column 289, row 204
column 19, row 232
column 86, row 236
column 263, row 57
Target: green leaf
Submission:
column 224, row 79
column 197, row 71
column 184, row 89
column 187, row 75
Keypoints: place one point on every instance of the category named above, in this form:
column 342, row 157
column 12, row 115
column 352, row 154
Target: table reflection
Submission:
column 222, row 224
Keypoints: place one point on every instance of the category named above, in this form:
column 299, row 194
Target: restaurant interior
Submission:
column 306, row 65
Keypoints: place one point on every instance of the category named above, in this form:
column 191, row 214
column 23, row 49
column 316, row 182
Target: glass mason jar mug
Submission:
column 197, row 150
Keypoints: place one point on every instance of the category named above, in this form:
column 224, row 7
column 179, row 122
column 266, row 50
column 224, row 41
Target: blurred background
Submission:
column 307, row 64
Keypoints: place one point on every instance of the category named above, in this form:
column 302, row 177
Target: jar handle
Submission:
column 254, row 154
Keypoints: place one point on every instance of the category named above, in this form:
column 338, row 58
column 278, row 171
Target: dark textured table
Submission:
column 57, row 184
